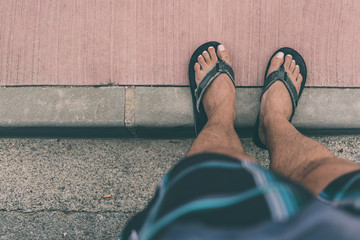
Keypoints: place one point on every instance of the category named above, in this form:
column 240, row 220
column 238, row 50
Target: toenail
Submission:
column 199, row 56
column 211, row 47
column 289, row 55
column 293, row 61
column 204, row 52
column 280, row 55
column 221, row 47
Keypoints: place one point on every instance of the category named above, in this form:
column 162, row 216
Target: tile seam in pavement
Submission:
column 129, row 112
column 149, row 111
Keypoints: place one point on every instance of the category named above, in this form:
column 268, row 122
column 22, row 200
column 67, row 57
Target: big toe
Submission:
column 223, row 54
column 276, row 62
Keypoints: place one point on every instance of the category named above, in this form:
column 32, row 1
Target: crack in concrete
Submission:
column 62, row 211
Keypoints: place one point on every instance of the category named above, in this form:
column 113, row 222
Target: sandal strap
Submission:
column 220, row 67
column 281, row 75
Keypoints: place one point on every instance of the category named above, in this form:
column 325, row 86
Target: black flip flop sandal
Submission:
column 280, row 75
column 197, row 93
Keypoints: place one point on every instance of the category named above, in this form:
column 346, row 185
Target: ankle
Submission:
column 276, row 101
column 273, row 118
column 221, row 118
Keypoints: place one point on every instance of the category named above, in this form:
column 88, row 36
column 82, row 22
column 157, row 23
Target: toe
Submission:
column 296, row 70
column 292, row 66
column 276, row 62
column 197, row 68
column 223, row 54
column 287, row 62
column 212, row 53
column 201, row 60
column 298, row 82
column 299, row 79
column 198, row 73
column 206, row 55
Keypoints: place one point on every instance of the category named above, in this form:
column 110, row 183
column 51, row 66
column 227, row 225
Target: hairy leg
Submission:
column 218, row 135
column 291, row 153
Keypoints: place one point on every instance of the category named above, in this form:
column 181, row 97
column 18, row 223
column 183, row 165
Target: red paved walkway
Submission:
column 149, row 42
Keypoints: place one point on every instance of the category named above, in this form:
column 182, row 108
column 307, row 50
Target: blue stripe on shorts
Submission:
column 220, row 191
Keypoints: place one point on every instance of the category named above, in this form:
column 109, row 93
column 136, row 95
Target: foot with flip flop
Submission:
column 284, row 82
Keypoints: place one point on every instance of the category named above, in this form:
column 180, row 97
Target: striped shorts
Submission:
column 218, row 191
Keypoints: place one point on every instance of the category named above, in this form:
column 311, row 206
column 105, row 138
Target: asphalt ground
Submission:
column 55, row 188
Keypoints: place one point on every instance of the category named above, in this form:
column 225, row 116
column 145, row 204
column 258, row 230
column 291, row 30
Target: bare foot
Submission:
column 219, row 98
column 276, row 101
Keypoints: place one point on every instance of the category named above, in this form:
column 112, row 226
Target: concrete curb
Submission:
column 147, row 111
